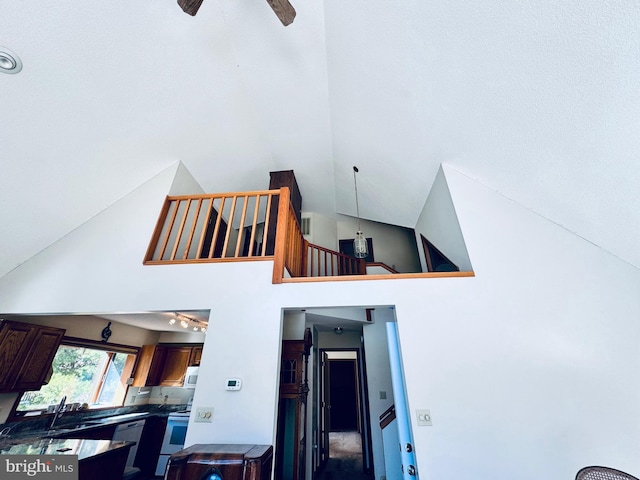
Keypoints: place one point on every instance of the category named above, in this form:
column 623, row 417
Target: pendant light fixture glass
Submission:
column 360, row 248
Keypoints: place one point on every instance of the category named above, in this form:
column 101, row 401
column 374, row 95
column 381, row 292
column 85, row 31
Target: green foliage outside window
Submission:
column 78, row 375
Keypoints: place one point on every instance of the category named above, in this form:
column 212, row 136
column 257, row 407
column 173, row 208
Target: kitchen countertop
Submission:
column 67, row 426
column 85, row 449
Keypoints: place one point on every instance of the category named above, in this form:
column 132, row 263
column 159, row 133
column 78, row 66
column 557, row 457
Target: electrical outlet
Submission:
column 424, row 417
column 204, row 414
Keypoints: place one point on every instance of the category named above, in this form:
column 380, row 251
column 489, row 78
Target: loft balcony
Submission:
column 255, row 226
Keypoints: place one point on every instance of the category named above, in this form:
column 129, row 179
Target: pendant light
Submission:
column 360, row 248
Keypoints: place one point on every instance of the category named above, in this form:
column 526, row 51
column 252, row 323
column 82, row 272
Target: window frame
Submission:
column 94, row 345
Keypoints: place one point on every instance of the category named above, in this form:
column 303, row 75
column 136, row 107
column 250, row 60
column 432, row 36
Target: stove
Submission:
column 174, row 437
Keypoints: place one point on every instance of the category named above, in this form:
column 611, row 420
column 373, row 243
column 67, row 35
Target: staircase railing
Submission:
column 215, row 227
column 259, row 225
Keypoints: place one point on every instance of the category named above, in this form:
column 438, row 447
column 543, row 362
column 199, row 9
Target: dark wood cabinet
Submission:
column 290, row 458
column 26, row 354
column 164, row 365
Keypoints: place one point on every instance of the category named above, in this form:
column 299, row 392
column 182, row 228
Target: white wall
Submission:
column 530, row 368
column 392, row 245
column 438, row 223
column 323, row 231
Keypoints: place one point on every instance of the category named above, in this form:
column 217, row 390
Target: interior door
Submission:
column 325, row 410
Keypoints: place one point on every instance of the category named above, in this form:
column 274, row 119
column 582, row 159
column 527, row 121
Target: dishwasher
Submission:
column 130, row 432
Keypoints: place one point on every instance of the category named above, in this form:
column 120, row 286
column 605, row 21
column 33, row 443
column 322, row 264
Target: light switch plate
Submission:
column 424, row 417
column 204, row 415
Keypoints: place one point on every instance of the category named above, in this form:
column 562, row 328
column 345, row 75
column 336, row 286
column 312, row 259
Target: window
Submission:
column 436, row 260
column 95, row 375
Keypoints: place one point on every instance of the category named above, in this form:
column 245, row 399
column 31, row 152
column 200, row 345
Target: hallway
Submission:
column 345, row 458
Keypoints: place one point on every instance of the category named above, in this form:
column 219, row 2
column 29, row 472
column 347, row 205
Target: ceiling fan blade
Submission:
column 284, row 10
column 190, row 6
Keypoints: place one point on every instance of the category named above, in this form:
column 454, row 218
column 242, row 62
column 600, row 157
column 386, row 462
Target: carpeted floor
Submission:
column 345, row 458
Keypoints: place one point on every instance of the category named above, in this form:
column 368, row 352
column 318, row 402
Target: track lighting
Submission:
column 188, row 322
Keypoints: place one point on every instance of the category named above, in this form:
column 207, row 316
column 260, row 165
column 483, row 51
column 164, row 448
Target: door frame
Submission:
column 324, row 408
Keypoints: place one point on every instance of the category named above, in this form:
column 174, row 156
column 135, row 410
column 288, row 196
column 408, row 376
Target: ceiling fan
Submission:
column 282, row 8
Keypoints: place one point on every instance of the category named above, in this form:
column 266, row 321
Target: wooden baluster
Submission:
column 229, row 227
column 180, row 230
column 193, row 229
column 266, row 225
column 254, row 225
column 162, row 217
column 216, row 228
column 170, row 227
column 241, row 227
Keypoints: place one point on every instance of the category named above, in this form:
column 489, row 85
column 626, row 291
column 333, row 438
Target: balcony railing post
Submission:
column 281, row 235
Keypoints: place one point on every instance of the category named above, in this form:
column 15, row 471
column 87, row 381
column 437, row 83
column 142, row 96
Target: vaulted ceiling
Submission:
column 539, row 100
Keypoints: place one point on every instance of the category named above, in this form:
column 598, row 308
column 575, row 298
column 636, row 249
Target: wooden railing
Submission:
column 217, row 227
column 260, row 225
column 322, row 262
column 295, row 257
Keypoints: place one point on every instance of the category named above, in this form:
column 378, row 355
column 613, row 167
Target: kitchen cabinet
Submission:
column 26, row 354
column 196, row 354
column 164, row 365
column 149, row 366
column 175, row 366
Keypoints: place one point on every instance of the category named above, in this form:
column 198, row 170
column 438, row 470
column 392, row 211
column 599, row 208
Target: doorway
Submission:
column 343, row 416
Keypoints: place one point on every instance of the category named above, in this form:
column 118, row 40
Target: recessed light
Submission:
column 9, row 61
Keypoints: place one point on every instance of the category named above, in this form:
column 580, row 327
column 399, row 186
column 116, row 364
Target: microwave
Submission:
column 191, row 377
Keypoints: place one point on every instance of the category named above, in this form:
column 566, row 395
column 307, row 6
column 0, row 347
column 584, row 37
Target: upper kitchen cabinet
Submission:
column 175, row 366
column 196, row 355
column 26, row 354
column 164, row 365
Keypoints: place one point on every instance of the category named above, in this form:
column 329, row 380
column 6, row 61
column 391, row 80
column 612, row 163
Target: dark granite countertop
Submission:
column 57, row 446
column 31, row 431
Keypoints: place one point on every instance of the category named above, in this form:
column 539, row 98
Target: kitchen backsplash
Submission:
column 158, row 396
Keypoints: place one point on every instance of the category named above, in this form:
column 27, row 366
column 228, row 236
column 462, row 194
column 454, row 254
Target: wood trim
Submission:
column 209, row 260
column 96, row 345
column 381, row 265
column 222, row 195
column 281, row 236
column 388, row 416
column 399, row 276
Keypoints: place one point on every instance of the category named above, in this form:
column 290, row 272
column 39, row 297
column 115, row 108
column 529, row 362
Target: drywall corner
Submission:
column 438, row 223
column 184, row 183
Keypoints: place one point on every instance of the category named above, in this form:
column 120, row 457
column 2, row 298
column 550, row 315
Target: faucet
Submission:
column 58, row 412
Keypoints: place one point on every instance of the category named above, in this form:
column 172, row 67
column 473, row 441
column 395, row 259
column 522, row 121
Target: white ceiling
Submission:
column 538, row 100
